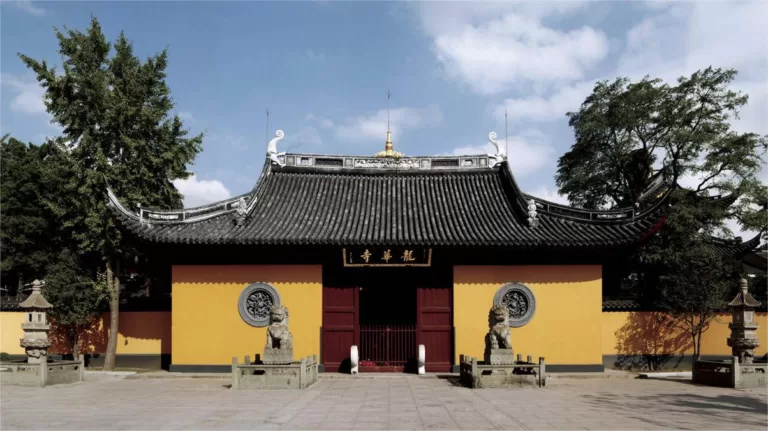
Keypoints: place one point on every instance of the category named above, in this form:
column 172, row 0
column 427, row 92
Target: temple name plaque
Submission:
column 387, row 256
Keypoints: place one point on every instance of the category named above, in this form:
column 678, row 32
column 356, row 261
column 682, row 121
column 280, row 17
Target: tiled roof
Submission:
column 322, row 200
column 734, row 247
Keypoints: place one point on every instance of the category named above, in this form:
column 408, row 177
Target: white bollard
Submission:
column 422, row 359
column 354, row 359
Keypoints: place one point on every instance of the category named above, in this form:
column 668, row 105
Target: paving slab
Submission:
column 404, row 402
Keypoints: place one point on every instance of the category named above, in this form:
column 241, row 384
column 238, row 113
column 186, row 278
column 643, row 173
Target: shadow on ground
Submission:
column 744, row 410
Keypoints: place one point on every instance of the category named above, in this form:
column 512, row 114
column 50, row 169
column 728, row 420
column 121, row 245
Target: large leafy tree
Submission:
column 626, row 133
column 118, row 131
column 25, row 246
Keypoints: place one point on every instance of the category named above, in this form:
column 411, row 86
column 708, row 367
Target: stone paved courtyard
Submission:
column 382, row 403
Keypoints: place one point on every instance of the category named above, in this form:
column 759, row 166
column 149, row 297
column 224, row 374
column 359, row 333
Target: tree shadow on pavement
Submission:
column 742, row 410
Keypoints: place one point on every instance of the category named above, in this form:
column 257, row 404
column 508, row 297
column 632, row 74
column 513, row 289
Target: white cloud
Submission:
column 497, row 46
column 186, row 116
column 375, row 126
column 201, row 192
column 306, row 139
column 315, row 56
column 526, row 153
column 549, row 194
column 27, row 6
column 29, row 95
column 554, row 107
column 237, row 141
column 323, row 122
column 683, row 38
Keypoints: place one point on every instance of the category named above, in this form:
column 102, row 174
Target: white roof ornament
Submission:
column 277, row 158
column 500, row 155
column 533, row 219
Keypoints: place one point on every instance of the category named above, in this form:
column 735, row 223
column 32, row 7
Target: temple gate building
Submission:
column 386, row 253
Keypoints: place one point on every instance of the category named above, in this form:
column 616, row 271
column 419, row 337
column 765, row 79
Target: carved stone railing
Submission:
column 50, row 373
column 296, row 375
column 477, row 374
column 730, row 374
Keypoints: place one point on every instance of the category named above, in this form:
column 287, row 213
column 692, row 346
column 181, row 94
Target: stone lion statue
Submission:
column 498, row 335
column 278, row 336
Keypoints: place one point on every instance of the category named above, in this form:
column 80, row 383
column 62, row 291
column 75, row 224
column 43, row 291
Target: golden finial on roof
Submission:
column 388, row 149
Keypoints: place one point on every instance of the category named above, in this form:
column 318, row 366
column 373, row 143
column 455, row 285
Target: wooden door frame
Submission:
column 419, row 326
column 325, row 329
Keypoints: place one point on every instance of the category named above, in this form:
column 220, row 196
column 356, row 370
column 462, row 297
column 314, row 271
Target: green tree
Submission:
column 115, row 111
column 25, row 247
column 76, row 295
column 623, row 130
column 627, row 132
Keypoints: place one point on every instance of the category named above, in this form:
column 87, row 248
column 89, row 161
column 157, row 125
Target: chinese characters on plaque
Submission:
column 387, row 256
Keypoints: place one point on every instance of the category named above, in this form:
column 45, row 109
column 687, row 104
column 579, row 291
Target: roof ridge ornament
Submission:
column 277, row 158
column 533, row 217
column 241, row 212
column 500, row 155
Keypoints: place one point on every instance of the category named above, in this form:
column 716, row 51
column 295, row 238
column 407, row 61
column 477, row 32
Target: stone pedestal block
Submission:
column 499, row 357
column 278, row 356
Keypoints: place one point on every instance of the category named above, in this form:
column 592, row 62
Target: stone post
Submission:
column 303, row 373
column 735, row 372
column 235, row 376
column 82, row 368
column 542, row 372
column 43, row 373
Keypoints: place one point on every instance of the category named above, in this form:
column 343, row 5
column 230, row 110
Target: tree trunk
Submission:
column 76, row 343
column 113, row 287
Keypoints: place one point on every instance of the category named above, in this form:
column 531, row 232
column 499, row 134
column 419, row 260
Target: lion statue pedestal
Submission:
column 498, row 347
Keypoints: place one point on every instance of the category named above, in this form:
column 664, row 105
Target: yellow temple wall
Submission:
column 649, row 332
column 207, row 328
column 141, row 333
column 566, row 327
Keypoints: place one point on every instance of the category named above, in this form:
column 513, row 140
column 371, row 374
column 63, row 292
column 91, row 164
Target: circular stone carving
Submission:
column 520, row 302
column 255, row 302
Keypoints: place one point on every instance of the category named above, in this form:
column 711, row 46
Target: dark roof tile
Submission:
column 471, row 207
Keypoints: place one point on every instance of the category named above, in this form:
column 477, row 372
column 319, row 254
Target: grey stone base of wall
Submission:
column 560, row 368
column 174, row 368
column 658, row 362
column 143, row 362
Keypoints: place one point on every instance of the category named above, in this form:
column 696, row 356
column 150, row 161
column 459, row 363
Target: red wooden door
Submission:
column 340, row 326
column 434, row 327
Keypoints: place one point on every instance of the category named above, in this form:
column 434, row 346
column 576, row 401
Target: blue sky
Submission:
column 323, row 69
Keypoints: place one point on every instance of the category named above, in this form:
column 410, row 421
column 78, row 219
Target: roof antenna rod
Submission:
column 266, row 134
column 506, row 135
column 389, row 96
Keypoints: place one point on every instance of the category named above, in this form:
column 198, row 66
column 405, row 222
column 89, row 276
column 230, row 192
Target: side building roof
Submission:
column 419, row 201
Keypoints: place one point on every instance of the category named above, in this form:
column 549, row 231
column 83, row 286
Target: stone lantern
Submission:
column 35, row 326
column 743, row 339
